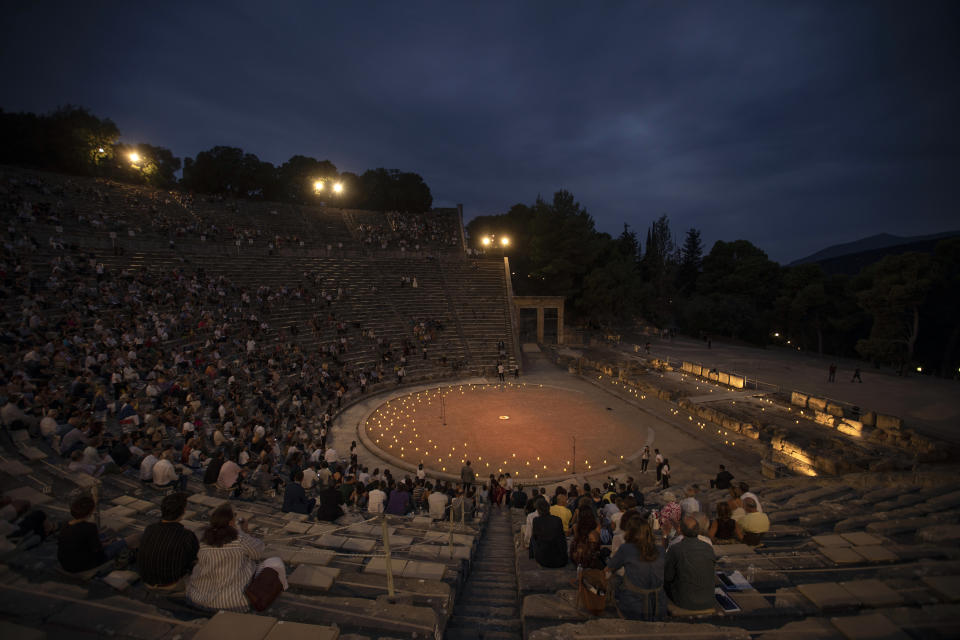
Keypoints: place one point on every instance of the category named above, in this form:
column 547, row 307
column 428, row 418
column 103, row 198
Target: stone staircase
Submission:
column 489, row 606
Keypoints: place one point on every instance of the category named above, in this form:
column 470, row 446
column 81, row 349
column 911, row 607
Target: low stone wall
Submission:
column 723, row 377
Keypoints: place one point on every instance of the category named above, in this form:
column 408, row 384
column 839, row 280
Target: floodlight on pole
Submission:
column 318, row 186
column 505, row 241
column 134, row 157
column 338, row 187
column 485, row 241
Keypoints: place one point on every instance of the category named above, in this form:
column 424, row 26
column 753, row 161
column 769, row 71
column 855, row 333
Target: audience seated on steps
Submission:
column 689, row 573
column 81, row 546
column 724, row 528
column 227, row 561
column 167, row 551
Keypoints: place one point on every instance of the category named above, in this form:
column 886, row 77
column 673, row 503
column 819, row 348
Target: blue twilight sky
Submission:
column 795, row 125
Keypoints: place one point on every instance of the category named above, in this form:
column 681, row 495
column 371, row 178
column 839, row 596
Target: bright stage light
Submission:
column 318, row 185
column 134, row 157
column 338, row 187
column 485, row 242
column 505, row 241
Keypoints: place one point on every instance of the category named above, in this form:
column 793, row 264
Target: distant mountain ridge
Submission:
column 874, row 246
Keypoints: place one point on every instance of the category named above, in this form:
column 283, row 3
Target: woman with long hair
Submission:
column 228, row 560
column 639, row 595
column 724, row 527
column 585, row 549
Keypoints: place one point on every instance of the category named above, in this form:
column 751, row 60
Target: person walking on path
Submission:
column 856, row 376
column 833, row 373
column 659, row 460
column 665, row 473
column 500, row 371
column 644, row 459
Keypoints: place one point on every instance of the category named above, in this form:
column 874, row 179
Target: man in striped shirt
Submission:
column 168, row 551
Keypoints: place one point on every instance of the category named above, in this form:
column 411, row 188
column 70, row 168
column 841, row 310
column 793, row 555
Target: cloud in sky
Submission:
column 793, row 125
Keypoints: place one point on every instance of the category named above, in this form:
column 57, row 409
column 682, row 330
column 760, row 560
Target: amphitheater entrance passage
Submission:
column 543, row 314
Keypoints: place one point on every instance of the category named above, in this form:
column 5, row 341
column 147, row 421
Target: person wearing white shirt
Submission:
column 437, row 500
column 146, row 467
column 309, row 478
column 376, row 499
column 164, row 473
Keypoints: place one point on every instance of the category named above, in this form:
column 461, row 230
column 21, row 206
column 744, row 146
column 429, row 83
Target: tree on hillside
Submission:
column 229, row 171
column 144, row 164
column 734, row 292
column 691, row 259
column 564, row 245
column 297, row 176
column 658, row 267
column 70, row 140
column 893, row 291
column 392, row 190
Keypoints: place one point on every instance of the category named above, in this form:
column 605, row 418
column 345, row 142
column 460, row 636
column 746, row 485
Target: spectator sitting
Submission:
column 80, row 547
column 746, row 493
column 753, row 524
column 165, row 474
column 585, row 549
column 722, row 481
column 229, row 474
column 723, row 528
column 295, row 497
column 548, row 544
column 227, row 561
column 399, row 502
column 560, row 509
column 376, row 498
column 167, row 550
column 640, row 595
column 437, row 502
column 690, row 504
column 518, row 500
column 689, row 572
column 330, row 501
column 147, row 464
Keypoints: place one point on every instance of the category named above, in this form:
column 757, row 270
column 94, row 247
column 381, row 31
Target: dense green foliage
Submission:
column 72, row 140
column 900, row 311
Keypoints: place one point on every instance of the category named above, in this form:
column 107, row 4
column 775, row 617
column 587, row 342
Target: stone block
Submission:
column 359, row 545
column 331, row 540
column 723, row 378
column 809, row 629
column 379, row 566
column 10, row 631
column 946, row 587
column 734, row 550
column 14, row 468
column 874, row 626
column 297, row 527
column 428, row 551
column 876, row 553
column 737, row 382
column 825, row 419
column 313, row 578
column 939, row 533
column 798, row 399
column 30, row 494
column 841, row 555
column 869, row 419
column 819, row 404
column 424, row 570
column 422, row 521
column 236, row 626
column 33, row 454
column 311, row 556
column 126, row 500
column 828, row 596
column 286, row 630
column 834, row 409
column 861, row 538
column 832, row 540
column 873, row 593
column 888, row 423
column 696, row 370
column 321, row 529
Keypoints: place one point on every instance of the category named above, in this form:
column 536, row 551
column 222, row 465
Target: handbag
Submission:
column 263, row 589
column 592, row 591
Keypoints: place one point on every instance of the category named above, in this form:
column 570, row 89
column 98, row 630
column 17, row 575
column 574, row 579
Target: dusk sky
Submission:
column 795, row 125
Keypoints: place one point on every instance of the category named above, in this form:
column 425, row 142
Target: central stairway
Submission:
column 489, row 606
